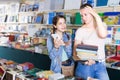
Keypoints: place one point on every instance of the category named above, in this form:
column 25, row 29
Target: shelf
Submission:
column 13, row 32
column 71, row 25
column 98, row 9
column 107, row 8
column 17, row 23
column 114, row 25
column 19, row 20
column 108, row 65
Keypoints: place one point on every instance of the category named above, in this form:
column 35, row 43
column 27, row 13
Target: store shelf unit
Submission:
column 107, row 9
column 38, row 58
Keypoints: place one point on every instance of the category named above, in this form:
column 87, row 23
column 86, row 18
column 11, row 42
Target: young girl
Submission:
column 92, row 32
column 59, row 45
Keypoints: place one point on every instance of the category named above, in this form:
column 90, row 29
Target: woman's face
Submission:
column 86, row 16
column 61, row 25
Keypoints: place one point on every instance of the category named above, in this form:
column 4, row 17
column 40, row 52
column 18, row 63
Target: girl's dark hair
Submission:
column 55, row 20
column 85, row 5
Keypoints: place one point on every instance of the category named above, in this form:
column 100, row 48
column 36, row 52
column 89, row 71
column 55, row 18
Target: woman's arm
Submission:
column 101, row 28
column 77, row 40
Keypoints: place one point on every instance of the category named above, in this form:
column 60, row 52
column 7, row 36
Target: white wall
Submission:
column 7, row 1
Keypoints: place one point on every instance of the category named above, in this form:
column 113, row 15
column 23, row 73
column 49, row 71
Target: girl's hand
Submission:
column 58, row 43
column 67, row 43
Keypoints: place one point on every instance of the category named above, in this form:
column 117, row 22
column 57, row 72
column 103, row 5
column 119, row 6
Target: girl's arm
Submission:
column 52, row 51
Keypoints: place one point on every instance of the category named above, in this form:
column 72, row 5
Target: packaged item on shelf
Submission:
column 68, row 17
column 111, row 18
column 44, row 73
column 51, row 15
column 18, row 45
column 11, row 74
column 25, row 76
column 109, row 38
column 110, row 61
column 2, row 72
column 22, row 7
column 78, row 20
column 2, row 61
column 35, row 6
column 9, row 62
column 35, row 40
column 116, row 56
column 30, row 65
column 42, row 79
column 110, row 50
column 116, row 35
column 101, row 2
column 118, row 50
column 113, row 3
column 33, row 71
column 56, row 76
column 25, row 66
column 39, row 18
column 75, row 4
column 116, row 64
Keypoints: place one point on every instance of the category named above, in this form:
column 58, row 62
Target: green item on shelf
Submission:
column 101, row 14
column 78, row 19
column 33, row 71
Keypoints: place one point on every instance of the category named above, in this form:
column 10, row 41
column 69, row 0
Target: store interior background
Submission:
column 40, row 58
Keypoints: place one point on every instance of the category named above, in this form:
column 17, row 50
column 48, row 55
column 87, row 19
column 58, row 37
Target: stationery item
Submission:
column 91, row 2
column 39, row 18
column 109, row 38
column 56, row 76
column 18, row 45
column 111, row 18
column 55, row 36
column 116, row 64
column 44, row 74
column 9, row 62
column 110, row 50
column 68, row 17
column 51, row 15
column 113, row 3
column 101, row 2
column 78, row 20
column 86, row 52
column 75, row 4
column 33, row 71
column 35, row 40
column 25, row 66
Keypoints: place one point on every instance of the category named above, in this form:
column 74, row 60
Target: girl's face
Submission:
column 86, row 16
column 61, row 25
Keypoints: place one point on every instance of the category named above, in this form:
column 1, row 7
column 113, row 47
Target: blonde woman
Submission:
column 92, row 32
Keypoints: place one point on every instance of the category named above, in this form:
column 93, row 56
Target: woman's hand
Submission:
column 90, row 62
column 91, row 11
